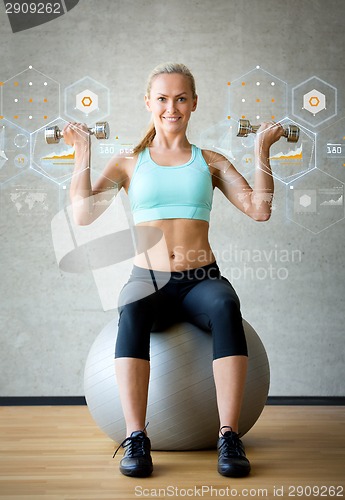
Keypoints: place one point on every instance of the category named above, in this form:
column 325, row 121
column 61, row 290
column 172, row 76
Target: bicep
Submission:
column 114, row 176
column 229, row 181
column 235, row 188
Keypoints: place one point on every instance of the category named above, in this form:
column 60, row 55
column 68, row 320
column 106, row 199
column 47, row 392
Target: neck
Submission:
column 173, row 141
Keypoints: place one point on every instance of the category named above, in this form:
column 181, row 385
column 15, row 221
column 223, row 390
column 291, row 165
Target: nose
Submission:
column 171, row 107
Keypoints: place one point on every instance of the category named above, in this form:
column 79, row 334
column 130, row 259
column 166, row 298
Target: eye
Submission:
column 182, row 99
column 161, row 99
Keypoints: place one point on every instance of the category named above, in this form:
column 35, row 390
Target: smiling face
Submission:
column 171, row 102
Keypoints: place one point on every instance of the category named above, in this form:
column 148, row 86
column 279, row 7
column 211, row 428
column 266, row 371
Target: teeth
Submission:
column 171, row 119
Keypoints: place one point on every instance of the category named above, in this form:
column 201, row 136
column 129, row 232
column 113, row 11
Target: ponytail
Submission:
column 146, row 141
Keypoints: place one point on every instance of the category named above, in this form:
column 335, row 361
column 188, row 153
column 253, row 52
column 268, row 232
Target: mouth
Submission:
column 171, row 119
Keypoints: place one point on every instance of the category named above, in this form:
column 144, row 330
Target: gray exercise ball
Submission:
column 182, row 409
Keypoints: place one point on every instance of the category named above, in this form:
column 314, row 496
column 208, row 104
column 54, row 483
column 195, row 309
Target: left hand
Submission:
column 269, row 133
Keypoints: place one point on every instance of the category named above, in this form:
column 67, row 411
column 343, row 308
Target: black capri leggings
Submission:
column 152, row 300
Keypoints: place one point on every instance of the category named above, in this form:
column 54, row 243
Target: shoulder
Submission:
column 210, row 155
column 119, row 169
column 216, row 161
column 122, row 163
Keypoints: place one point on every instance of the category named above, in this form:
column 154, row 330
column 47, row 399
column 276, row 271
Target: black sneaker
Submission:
column 232, row 460
column 136, row 461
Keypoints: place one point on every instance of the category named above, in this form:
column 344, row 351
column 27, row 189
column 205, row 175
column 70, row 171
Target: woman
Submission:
column 170, row 183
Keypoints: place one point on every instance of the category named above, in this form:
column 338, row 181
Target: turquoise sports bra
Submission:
column 178, row 192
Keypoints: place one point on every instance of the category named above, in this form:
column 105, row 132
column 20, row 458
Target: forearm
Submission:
column 263, row 179
column 81, row 193
column 81, row 180
column 88, row 202
column 263, row 188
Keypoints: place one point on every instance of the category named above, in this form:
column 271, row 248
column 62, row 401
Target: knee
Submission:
column 133, row 336
column 225, row 304
column 132, row 310
column 132, row 346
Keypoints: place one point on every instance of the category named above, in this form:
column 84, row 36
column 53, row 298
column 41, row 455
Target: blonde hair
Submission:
column 165, row 68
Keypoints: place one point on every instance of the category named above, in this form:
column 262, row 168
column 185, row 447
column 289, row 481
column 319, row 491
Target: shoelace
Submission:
column 136, row 444
column 230, row 445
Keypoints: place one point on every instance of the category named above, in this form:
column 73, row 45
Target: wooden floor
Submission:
column 59, row 453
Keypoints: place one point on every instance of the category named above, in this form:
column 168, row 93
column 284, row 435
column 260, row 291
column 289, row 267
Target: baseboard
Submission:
column 306, row 400
column 42, row 401
column 80, row 401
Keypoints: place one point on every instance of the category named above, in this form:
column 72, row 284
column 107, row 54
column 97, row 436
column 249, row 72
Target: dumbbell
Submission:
column 54, row 134
column 291, row 132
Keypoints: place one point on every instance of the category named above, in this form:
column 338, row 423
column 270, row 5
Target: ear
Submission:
column 195, row 103
column 147, row 103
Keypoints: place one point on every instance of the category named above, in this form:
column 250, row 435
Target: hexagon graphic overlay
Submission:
column 87, row 101
column 30, row 99
column 257, row 96
column 29, row 195
column 331, row 149
column 290, row 160
column 87, row 98
column 315, row 201
column 54, row 161
column 314, row 101
column 14, row 150
column 287, row 160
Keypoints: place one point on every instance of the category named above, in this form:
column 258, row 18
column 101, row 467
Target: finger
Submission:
column 79, row 127
column 75, row 126
column 281, row 128
column 67, row 126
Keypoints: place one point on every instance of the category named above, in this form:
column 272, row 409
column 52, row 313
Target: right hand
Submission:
column 75, row 133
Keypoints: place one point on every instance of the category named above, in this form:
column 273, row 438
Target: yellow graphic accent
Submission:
column 314, row 101
column 66, row 155
column 86, row 101
column 290, row 156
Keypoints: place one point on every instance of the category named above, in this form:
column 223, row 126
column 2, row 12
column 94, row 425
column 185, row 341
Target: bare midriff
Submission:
column 173, row 245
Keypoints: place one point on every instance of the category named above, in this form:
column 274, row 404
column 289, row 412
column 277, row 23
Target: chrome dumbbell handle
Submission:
column 291, row 132
column 54, row 134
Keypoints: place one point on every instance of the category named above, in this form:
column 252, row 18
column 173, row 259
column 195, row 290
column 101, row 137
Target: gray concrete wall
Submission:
column 49, row 318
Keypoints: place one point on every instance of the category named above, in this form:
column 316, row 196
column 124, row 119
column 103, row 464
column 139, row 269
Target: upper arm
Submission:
column 114, row 175
column 256, row 203
column 229, row 181
column 113, row 178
